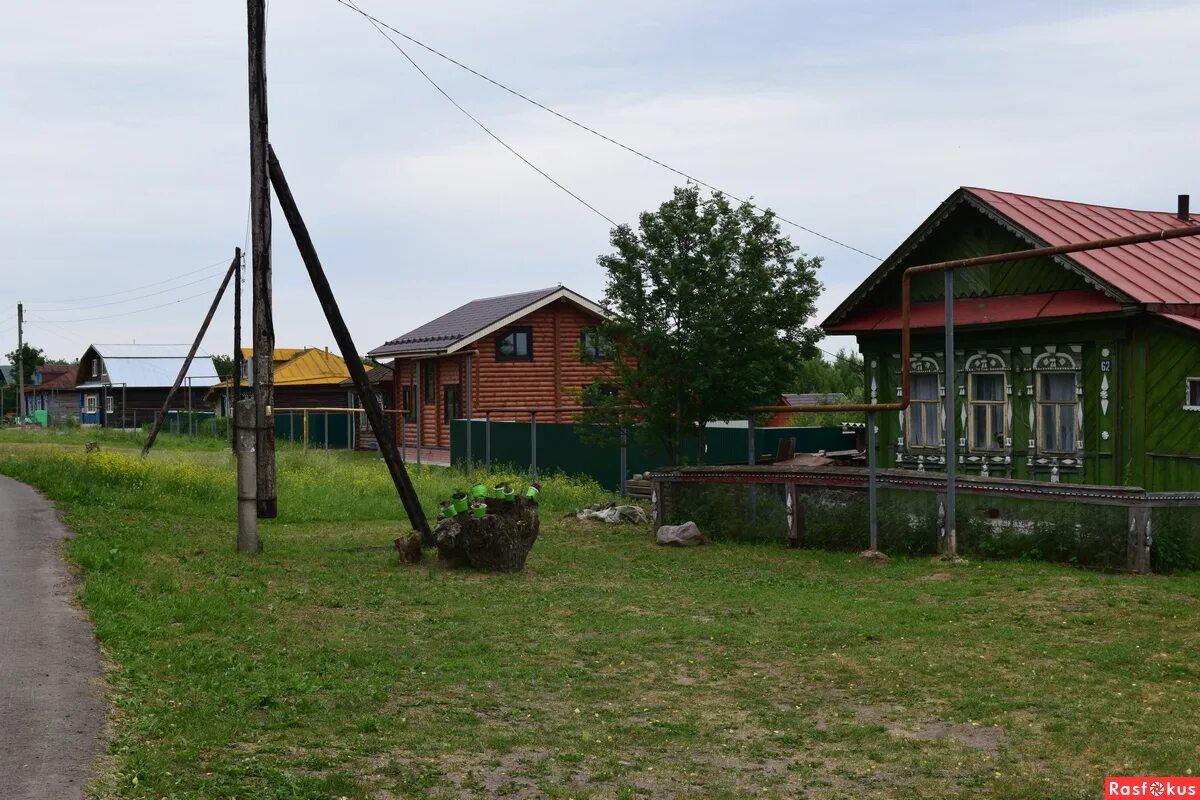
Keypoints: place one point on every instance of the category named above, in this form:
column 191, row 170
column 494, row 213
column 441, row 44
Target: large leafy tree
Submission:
column 710, row 308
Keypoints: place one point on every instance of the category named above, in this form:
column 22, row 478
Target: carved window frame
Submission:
column 920, row 366
column 980, row 363
column 1056, row 360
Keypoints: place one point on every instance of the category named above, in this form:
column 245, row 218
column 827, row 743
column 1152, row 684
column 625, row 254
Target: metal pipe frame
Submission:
column 963, row 263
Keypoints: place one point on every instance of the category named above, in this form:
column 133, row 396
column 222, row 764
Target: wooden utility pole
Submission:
column 380, row 425
column 187, row 361
column 237, row 347
column 20, row 364
column 260, row 227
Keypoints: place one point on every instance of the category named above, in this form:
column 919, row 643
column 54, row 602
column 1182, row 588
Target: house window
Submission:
column 986, row 398
column 95, row 368
column 450, row 409
column 1057, row 404
column 429, row 375
column 407, row 395
column 923, row 427
column 89, row 404
column 1192, row 401
column 593, row 346
column 515, row 344
column 108, row 404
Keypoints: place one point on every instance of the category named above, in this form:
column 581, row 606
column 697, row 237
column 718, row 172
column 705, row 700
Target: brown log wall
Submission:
column 551, row 379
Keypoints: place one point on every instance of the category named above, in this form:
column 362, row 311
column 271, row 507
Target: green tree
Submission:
column 34, row 358
column 224, row 365
column 710, row 307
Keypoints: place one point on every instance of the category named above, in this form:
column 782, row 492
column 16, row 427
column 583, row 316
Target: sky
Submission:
column 124, row 146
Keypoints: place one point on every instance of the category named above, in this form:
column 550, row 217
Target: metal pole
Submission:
column 244, row 416
column 872, row 509
column 305, row 430
column 751, row 451
column 419, row 398
column 951, row 544
column 487, row 443
column 469, row 406
column 533, row 445
column 325, row 418
column 189, row 407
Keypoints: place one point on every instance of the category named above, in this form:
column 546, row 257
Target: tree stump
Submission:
column 498, row 541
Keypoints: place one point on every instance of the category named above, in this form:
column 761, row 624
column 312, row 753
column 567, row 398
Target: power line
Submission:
column 377, row 23
column 128, row 313
column 130, row 299
column 130, row 291
column 472, row 117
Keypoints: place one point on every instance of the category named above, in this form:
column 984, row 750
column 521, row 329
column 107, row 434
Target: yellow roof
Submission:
column 303, row 366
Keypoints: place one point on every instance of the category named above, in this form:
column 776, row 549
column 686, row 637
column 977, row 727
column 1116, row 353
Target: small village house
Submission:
column 380, row 378
column 1077, row 368
column 52, row 398
column 305, row 377
column 531, row 350
column 125, row 385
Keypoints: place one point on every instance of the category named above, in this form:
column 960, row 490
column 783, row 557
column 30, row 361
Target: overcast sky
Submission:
column 123, row 152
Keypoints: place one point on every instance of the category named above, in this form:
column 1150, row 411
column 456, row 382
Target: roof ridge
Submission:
column 974, row 189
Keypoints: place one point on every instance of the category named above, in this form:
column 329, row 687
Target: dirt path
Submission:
column 51, row 685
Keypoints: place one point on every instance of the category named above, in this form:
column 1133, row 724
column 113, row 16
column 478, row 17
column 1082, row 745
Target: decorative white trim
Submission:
column 1053, row 361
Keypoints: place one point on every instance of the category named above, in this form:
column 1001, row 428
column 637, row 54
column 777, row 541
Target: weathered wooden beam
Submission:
column 187, row 362
column 341, row 334
column 260, row 231
column 237, row 349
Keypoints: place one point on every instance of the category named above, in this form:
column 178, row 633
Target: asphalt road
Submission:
column 51, row 685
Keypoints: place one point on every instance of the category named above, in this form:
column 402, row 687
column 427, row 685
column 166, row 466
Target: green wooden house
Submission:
column 1082, row 368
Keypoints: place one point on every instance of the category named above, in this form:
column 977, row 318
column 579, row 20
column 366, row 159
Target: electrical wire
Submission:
column 472, row 117
column 131, row 299
column 377, row 23
column 130, row 291
column 129, row 313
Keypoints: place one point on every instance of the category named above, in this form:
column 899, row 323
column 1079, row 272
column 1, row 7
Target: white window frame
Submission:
column 1187, row 394
column 108, row 404
column 1039, row 402
column 938, row 403
column 90, row 404
column 1001, row 446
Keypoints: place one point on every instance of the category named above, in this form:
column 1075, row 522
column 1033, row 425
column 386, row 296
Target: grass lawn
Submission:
column 608, row 668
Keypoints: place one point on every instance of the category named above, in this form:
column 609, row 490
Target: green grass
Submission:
column 608, row 668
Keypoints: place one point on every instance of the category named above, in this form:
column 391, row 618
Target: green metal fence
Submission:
column 565, row 448
column 329, row 430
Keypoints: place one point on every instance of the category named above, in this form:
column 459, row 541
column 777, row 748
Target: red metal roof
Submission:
column 1190, row 322
column 982, row 311
column 1156, row 272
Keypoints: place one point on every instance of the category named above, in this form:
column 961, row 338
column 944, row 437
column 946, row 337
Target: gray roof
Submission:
column 148, row 365
column 376, row 375
column 461, row 325
column 6, row 374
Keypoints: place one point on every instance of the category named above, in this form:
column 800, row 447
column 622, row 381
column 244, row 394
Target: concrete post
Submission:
column 247, row 477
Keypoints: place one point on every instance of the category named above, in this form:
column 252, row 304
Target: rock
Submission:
column 409, row 548
column 498, row 541
column 873, row 557
column 685, row 535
